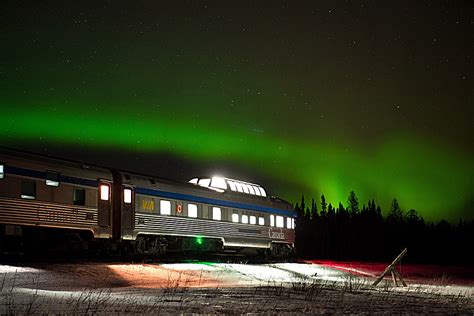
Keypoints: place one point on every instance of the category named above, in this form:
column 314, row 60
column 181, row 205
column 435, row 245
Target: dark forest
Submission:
column 362, row 233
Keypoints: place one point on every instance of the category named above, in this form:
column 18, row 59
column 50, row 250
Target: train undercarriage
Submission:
column 66, row 243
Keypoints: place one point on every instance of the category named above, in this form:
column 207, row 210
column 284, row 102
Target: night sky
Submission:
column 301, row 97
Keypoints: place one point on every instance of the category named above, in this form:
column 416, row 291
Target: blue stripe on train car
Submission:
column 42, row 175
column 198, row 199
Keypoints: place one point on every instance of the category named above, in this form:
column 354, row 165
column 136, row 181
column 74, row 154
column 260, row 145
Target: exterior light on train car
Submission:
column 127, row 196
column 104, row 192
column 2, row 171
column 199, row 241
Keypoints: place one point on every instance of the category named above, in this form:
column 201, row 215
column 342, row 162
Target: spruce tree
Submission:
column 353, row 206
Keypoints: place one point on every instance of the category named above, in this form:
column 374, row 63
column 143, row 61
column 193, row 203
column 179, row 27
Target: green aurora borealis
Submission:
column 410, row 169
column 314, row 115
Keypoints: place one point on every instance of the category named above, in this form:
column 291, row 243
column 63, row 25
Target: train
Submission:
column 77, row 206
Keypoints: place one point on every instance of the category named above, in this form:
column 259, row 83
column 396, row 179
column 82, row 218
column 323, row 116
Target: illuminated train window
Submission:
column 235, row 218
column 245, row 219
column 165, row 207
column 280, row 221
column 218, row 183
column 192, row 210
column 288, row 223
column 232, row 186
column 221, row 184
column 216, row 213
column 52, row 178
column 253, row 220
column 204, row 182
column 2, row 171
column 127, row 196
column 104, row 192
column 28, row 189
column 272, row 220
column 261, row 221
column 257, row 190
column 239, row 187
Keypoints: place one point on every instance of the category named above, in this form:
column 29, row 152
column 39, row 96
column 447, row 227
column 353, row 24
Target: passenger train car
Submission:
column 84, row 206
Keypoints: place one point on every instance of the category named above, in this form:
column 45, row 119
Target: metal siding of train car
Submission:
column 52, row 206
column 182, row 226
column 38, row 213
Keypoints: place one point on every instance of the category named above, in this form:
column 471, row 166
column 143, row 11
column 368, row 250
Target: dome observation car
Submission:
column 221, row 184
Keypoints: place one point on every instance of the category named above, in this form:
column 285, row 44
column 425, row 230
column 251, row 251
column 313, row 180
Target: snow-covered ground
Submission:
column 204, row 287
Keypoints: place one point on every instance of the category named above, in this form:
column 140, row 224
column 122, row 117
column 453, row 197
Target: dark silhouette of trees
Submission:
column 362, row 233
column 353, row 204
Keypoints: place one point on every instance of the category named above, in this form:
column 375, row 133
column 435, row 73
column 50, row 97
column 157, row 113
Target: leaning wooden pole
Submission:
column 391, row 270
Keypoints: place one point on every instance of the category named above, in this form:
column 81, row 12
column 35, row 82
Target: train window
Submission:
column 219, row 183
column 245, row 219
column 261, row 221
column 272, row 220
column 293, row 223
column 194, row 180
column 52, row 178
column 232, row 185
column 280, row 221
column 251, row 190
column 28, row 189
column 235, row 218
column 253, row 220
column 104, row 192
column 2, row 171
column 79, row 196
column 257, row 191
column 262, row 192
column 216, row 213
column 165, row 207
column 288, row 223
column 239, row 187
column 246, row 189
column 127, row 196
column 204, row 182
column 192, row 210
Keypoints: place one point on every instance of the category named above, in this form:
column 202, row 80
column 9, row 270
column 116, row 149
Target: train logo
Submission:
column 276, row 234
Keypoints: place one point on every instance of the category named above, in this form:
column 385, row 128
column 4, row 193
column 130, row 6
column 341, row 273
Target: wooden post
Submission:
column 393, row 271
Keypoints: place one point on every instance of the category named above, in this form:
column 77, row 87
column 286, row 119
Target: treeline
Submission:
column 361, row 233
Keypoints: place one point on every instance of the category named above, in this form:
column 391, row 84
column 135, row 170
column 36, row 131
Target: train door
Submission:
column 104, row 208
column 128, row 212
